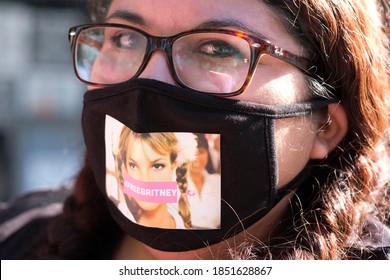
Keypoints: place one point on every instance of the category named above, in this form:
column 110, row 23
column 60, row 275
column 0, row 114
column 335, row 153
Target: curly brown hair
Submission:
column 352, row 48
column 331, row 213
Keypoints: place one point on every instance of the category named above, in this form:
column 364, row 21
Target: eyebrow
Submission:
column 127, row 16
column 232, row 23
column 158, row 160
column 220, row 23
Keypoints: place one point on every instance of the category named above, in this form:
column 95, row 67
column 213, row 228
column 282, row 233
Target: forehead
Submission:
column 143, row 151
column 168, row 17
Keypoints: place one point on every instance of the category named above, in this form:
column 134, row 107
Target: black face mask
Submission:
column 244, row 189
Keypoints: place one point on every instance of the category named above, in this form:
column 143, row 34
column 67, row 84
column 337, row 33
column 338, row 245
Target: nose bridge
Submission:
column 143, row 175
column 157, row 66
column 160, row 43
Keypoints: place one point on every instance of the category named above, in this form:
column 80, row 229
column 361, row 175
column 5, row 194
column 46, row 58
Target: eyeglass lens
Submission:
column 208, row 62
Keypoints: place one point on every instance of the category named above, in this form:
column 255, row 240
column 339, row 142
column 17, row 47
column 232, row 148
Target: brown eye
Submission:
column 158, row 166
column 218, row 49
column 127, row 40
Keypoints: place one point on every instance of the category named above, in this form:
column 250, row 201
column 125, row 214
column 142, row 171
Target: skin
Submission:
column 275, row 82
column 145, row 164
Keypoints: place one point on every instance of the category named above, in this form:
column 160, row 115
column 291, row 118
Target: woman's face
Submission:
column 274, row 82
column 145, row 164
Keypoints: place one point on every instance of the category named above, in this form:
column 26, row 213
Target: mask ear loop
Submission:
column 326, row 124
column 278, row 194
column 272, row 160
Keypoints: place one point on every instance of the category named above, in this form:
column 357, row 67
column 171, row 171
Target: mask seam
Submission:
column 279, row 111
column 271, row 155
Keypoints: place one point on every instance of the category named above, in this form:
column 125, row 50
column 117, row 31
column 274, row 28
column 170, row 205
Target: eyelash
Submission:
column 217, row 49
column 156, row 166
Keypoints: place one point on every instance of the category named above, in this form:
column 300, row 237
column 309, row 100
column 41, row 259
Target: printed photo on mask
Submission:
column 164, row 179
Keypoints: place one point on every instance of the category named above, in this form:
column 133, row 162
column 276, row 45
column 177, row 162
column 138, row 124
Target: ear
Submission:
column 330, row 136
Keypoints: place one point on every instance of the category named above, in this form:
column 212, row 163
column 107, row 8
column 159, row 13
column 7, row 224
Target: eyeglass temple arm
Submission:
column 306, row 65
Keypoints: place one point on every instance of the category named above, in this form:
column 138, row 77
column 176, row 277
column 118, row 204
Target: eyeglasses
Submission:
column 214, row 61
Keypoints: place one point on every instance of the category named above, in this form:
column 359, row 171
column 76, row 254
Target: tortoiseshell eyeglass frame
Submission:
column 258, row 46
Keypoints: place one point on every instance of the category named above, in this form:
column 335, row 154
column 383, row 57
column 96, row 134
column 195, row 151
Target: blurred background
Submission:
column 41, row 144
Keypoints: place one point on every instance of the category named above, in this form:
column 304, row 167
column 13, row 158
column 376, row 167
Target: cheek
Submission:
column 165, row 175
column 294, row 140
column 161, row 175
column 273, row 85
column 97, row 70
